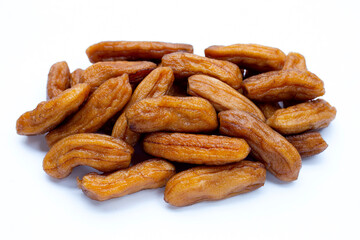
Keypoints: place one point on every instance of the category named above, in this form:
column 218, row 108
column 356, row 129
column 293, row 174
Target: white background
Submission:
column 322, row 203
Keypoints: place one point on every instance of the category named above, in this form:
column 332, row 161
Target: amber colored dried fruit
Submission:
column 156, row 84
column 308, row 144
column 279, row 156
column 295, row 61
column 122, row 131
column 268, row 108
column 48, row 114
column 187, row 64
column 249, row 56
column 133, row 50
column 220, row 95
column 75, row 77
column 152, row 173
column 105, row 102
column 97, row 73
column 98, row 151
column 196, row 148
column 58, row 79
column 283, row 85
column 311, row 115
column 168, row 113
column 209, row 183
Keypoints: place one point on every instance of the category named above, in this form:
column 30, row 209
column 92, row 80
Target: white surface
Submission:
column 322, row 203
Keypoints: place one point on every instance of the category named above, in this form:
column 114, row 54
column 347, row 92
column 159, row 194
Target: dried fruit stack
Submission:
column 226, row 117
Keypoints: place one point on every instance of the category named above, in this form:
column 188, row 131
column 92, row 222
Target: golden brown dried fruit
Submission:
column 268, row 108
column 311, row 115
column 97, row 73
column 156, row 84
column 187, row 64
column 105, row 102
column 220, row 95
column 58, row 79
column 308, row 144
column 122, row 131
column 295, row 61
column 133, row 50
column 99, row 151
column 208, row 183
column 279, row 156
column 168, row 113
column 283, row 85
column 152, row 173
column 75, row 77
column 48, row 114
column 196, row 148
column 249, row 56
